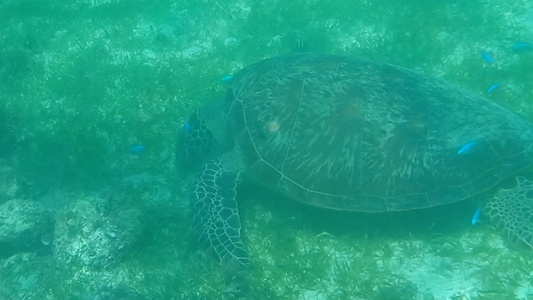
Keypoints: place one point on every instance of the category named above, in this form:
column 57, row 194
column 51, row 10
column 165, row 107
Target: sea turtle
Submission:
column 355, row 135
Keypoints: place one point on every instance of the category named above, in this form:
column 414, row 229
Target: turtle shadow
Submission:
column 287, row 214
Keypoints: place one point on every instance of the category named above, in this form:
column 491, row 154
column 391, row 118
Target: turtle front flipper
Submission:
column 512, row 211
column 216, row 216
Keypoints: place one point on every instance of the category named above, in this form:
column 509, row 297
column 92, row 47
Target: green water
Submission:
column 83, row 81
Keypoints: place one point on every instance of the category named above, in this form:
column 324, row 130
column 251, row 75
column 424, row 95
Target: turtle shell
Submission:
column 352, row 134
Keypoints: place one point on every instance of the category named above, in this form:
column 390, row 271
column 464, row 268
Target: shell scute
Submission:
column 352, row 134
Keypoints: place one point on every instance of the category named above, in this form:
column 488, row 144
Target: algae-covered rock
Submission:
column 85, row 234
column 120, row 292
column 8, row 182
column 23, row 223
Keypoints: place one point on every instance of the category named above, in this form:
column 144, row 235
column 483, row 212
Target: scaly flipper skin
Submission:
column 512, row 211
column 216, row 217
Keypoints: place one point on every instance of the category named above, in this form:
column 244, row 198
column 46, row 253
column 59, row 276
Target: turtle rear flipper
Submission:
column 512, row 211
column 216, row 216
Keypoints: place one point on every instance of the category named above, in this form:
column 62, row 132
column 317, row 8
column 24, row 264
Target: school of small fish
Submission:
column 488, row 58
column 470, row 146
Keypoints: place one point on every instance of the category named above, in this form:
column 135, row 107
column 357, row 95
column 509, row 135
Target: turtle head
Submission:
column 203, row 137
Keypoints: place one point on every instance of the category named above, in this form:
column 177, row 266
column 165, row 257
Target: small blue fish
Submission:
column 523, row 46
column 466, row 148
column 227, row 79
column 494, row 88
column 487, row 57
column 137, row 149
column 477, row 214
column 187, row 128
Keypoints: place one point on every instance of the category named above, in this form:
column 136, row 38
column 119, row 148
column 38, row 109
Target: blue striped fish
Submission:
column 466, row 148
column 477, row 214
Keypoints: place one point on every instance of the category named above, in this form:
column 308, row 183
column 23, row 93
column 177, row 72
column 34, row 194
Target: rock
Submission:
column 8, row 182
column 85, row 234
column 23, row 224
